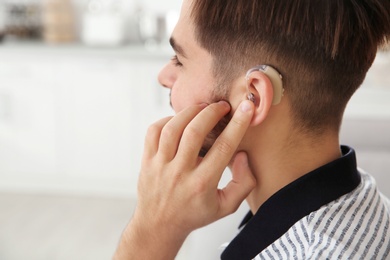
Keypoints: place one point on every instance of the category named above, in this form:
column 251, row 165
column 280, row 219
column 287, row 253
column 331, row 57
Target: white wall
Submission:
column 157, row 6
column 74, row 119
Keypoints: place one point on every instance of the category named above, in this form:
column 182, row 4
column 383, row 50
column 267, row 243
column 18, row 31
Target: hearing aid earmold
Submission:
column 276, row 79
column 251, row 97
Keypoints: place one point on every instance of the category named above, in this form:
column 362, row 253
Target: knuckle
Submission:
column 224, row 146
column 238, row 122
column 153, row 130
column 176, row 178
column 168, row 131
column 193, row 133
column 200, row 186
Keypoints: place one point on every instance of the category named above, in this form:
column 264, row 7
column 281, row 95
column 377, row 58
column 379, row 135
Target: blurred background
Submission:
column 78, row 90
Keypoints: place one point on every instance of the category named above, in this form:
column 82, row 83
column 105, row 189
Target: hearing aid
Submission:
column 251, row 97
column 276, row 80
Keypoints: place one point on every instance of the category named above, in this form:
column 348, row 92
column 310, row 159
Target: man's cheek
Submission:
column 179, row 103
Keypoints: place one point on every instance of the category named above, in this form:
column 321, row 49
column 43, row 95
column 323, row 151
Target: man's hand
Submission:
column 178, row 191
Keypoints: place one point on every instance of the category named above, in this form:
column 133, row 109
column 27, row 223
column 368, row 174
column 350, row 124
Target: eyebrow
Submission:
column 177, row 48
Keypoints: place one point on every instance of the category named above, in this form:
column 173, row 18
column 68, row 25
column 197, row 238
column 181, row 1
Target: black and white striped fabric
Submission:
column 333, row 212
column 355, row 226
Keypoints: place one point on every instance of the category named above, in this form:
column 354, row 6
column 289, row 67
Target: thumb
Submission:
column 242, row 183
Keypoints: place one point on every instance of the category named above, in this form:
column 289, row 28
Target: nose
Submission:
column 167, row 76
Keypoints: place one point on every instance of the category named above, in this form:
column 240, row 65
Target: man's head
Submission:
column 323, row 49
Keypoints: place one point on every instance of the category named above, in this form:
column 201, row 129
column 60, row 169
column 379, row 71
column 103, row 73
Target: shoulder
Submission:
column 355, row 226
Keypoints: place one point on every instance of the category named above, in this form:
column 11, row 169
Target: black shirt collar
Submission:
column 293, row 202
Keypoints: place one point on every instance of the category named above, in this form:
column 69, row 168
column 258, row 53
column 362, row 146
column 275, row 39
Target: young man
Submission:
column 279, row 135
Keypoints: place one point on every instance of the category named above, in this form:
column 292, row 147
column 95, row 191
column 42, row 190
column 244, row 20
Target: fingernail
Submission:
column 246, row 106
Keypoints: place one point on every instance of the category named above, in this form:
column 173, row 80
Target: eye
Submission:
column 176, row 62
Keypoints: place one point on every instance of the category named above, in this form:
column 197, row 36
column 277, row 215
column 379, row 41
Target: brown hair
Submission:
column 322, row 48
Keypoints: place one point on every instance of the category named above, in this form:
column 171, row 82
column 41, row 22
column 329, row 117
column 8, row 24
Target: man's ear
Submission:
column 260, row 89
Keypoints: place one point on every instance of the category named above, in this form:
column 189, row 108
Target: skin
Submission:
column 174, row 178
column 178, row 191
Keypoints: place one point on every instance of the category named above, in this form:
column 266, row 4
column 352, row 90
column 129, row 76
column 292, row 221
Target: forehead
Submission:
column 184, row 36
column 184, row 29
column 186, row 9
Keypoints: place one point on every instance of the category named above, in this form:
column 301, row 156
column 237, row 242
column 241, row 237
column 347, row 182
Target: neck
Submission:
column 275, row 164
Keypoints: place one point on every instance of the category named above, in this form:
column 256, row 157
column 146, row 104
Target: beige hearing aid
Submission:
column 276, row 79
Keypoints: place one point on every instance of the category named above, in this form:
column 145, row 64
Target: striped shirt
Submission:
column 319, row 217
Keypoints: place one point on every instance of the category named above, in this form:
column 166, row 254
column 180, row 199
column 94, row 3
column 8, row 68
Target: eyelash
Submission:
column 176, row 61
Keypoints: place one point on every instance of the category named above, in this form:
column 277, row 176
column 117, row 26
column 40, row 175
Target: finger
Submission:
column 242, row 183
column 153, row 137
column 196, row 131
column 172, row 132
column 226, row 144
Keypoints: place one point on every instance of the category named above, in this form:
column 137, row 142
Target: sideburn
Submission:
column 220, row 92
